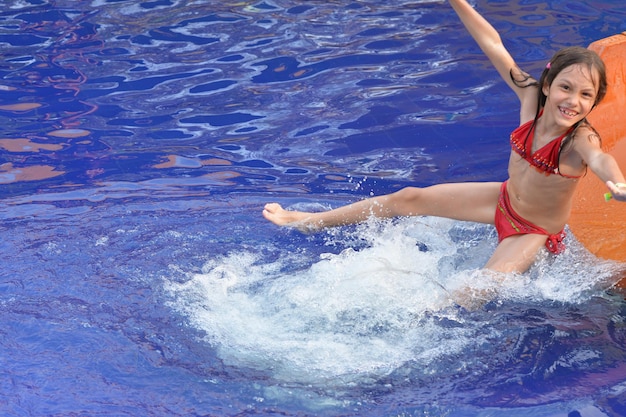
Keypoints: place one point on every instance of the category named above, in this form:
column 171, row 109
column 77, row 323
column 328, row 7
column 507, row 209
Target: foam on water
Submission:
column 347, row 318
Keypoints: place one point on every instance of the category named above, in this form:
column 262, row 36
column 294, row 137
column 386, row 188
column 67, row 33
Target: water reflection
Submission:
column 135, row 79
column 140, row 138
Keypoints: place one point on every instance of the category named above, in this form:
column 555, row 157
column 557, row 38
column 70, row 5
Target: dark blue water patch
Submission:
column 216, row 85
column 311, row 130
column 109, row 111
column 169, row 134
column 53, row 15
column 299, row 9
column 231, row 58
column 255, row 163
column 141, row 40
column 154, row 4
column 373, row 82
column 222, row 119
column 23, row 40
column 229, row 147
column 288, row 68
column 296, row 171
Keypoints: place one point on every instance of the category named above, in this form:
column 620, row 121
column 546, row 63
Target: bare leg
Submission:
column 462, row 201
column 514, row 254
column 467, row 201
column 349, row 214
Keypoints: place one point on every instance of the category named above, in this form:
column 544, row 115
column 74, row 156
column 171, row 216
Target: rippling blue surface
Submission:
column 140, row 140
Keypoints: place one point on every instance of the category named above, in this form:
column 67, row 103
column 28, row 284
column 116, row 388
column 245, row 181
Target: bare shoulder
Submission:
column 585, row 135
column 586, row 142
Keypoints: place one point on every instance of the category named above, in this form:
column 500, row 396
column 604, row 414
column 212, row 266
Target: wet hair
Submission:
column 566, row 57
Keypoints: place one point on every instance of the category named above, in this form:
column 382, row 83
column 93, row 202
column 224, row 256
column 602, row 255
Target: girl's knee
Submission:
column 405, row 201
column 407, row 194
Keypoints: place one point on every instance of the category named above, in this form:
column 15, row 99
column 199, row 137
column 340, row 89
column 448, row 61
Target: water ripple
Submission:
column 139, row 139
column 277, row 79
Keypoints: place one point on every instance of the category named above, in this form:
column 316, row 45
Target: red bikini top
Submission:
column 545, row 159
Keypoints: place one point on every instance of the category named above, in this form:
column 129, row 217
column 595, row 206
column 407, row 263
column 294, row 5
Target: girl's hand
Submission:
column 618, row 191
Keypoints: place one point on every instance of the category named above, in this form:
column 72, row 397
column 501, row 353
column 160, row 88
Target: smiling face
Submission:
column 571, row 95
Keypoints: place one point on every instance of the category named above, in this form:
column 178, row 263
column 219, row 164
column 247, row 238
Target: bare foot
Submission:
column 281, row 217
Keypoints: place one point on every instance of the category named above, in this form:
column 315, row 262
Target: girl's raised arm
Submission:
column 491, row 44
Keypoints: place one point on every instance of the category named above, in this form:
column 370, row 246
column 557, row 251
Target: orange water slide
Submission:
column 600, row 225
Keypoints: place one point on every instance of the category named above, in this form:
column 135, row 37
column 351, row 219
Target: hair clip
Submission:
column 548, row 65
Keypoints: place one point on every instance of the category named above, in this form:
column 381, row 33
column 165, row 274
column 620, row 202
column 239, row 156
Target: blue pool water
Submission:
column 139, row 142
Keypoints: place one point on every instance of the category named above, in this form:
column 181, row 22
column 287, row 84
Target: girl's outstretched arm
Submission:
column 490, row 42
column 602, row 164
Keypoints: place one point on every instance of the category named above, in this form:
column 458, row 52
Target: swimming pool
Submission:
column 140, row 140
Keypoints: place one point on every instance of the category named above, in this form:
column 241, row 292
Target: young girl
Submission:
column 553, row 147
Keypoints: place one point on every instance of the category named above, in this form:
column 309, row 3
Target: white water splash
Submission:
column 359, row 315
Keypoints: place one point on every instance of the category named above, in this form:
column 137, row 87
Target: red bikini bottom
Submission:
column 509, row 223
